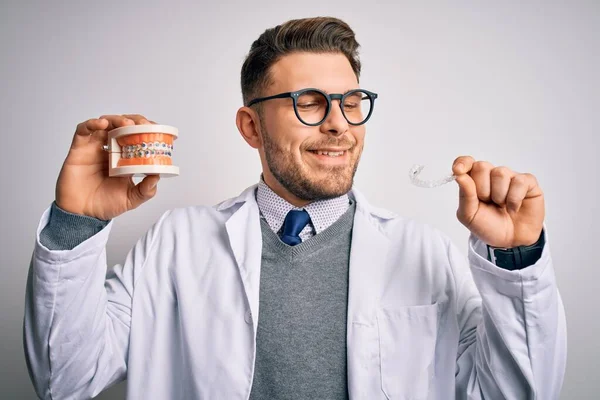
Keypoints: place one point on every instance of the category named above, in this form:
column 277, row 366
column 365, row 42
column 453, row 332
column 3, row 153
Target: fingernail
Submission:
column 459, row 167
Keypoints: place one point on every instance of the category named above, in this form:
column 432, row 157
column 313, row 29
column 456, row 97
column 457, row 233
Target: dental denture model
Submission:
column 141, row 150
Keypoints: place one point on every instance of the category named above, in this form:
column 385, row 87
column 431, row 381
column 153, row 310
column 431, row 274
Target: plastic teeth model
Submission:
column 142, row 150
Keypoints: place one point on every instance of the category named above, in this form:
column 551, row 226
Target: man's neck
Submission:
column 279, row 190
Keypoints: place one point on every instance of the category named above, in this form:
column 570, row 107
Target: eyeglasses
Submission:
column 312, row 106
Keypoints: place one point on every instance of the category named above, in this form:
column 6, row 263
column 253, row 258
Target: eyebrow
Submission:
column 349, row 90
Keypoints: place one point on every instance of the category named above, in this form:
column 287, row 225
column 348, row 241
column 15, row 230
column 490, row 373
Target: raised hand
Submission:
column 84, row 187
column 501, row 207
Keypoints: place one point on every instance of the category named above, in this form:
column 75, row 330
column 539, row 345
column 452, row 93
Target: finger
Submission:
column 462, row 165
column 516, row 193
column 481, row 175
column 143, row 191
column 116, row 121
column 137, row 118
column 90, row 126
column 500, row 180
column 468, row 202
column 90, row 130
column 522, row 186
column 100, row 135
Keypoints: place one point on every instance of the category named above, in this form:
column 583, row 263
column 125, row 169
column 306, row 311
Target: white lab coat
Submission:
column 179, row 318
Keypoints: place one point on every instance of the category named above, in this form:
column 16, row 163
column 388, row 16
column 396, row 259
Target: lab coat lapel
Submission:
column 245, row 238
column 368, row 252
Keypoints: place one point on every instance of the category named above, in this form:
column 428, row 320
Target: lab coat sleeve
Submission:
column 512, row 328
column 77, row 316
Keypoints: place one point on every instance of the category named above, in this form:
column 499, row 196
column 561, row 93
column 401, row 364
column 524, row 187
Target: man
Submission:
column 298, row 288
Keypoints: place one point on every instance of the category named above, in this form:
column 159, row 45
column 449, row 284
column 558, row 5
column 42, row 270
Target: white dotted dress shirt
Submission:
column 322, row 213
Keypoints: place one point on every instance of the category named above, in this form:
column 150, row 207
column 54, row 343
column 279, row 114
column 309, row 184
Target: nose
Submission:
column 335, row 123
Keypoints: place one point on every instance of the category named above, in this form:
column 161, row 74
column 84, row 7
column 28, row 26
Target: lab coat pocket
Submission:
column 407, row 338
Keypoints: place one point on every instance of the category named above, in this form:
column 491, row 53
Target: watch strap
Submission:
column 517, row 257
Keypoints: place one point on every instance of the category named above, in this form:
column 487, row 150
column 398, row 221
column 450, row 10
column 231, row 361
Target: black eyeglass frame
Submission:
column 333, row 96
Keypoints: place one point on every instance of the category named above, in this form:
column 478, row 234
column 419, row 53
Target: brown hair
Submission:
column 317, row 35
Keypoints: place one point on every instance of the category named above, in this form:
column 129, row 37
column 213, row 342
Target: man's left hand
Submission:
column 501, row 207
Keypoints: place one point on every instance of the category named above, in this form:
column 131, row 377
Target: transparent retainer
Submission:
column 415, row 170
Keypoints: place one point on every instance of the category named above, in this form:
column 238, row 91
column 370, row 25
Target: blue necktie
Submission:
column 294, row 222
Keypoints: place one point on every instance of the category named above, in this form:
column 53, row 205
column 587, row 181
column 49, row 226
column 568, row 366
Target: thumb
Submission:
column 468, row 202
column 143, row 191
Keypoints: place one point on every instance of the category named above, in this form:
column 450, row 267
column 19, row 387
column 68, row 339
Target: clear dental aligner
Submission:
column 144, row 149
column 415, row 170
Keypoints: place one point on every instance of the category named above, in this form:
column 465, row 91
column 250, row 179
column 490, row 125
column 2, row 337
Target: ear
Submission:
column 247, row 122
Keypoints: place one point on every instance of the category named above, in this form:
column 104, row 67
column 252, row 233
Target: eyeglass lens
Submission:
column 312, row 107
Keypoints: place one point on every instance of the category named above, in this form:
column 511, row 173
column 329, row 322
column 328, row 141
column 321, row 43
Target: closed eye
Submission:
column 307, row 105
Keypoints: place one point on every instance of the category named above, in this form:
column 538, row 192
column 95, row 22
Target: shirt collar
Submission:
column 323, row 213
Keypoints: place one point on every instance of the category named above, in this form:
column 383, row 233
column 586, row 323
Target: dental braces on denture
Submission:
column 141, row 150
column 413, row 175
column 147, row 150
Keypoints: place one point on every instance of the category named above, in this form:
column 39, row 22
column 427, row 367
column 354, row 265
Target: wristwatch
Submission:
column 517, row 257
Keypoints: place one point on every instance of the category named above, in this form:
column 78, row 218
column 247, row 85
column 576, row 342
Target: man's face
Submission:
column 289, row 151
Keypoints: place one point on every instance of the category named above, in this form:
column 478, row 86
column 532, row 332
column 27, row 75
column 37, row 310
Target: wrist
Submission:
column 518, row 257
column 76, row 213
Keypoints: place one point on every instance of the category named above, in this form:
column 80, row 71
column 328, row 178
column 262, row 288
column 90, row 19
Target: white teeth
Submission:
column 330, row 153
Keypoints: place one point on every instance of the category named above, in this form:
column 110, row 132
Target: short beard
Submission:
column 291, row 177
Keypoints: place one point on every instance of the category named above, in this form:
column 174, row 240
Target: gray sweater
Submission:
column 301, row 338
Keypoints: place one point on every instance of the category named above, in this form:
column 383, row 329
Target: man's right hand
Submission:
column 83, row 185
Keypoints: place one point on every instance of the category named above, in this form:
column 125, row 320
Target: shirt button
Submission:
column 248, row 316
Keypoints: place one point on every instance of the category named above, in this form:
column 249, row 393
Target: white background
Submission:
column 513, row 83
